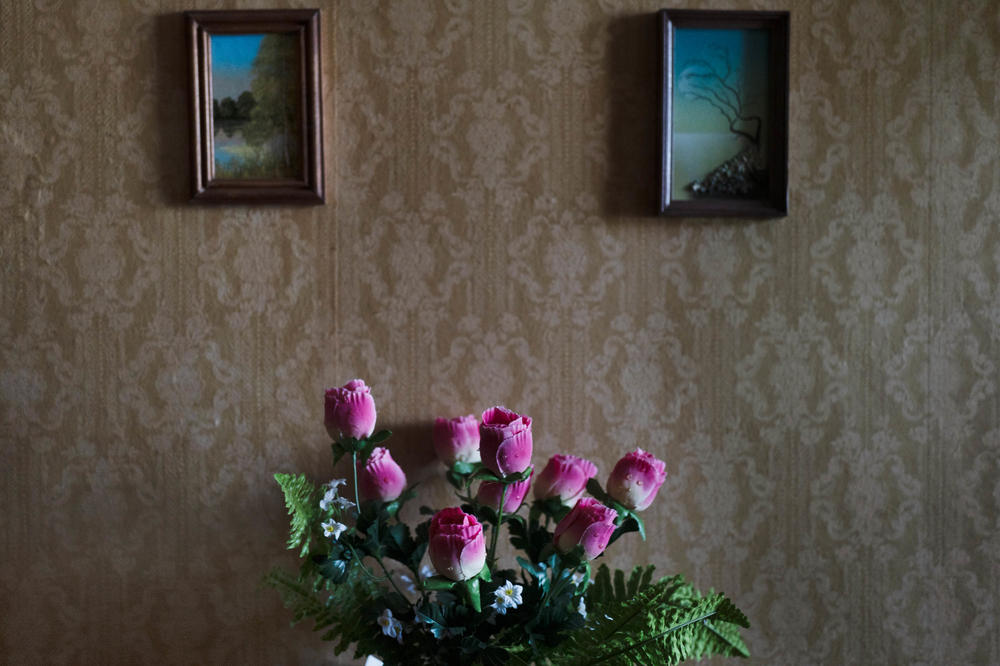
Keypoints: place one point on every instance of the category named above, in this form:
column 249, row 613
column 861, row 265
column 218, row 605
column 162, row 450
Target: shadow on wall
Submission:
column 172, row 125
column 412, row 449
column 632, row 175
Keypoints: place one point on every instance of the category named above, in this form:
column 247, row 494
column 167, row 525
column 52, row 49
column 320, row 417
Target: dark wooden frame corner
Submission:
column 206, row 187
column 775, row 202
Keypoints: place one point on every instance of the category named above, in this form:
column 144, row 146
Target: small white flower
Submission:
column 327, row 500
column 343, row 503
column 577, row 578
column 581, row 608
column 333, row 485
column 333, row 529
column 507, row 596
column 411, row 585
column 391, row 627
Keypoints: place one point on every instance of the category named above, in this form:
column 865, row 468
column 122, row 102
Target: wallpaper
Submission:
column 823, row 387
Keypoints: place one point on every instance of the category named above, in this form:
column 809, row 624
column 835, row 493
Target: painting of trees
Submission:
column 276, row 118
column 715, row 83
column 721, row 107
column 258, row 132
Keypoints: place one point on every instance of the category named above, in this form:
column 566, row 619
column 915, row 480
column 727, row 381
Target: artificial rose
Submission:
column 588, row 524
column 380, row 478
column 457, row 439
column 456, row 545
column 350, row 411
column 490, row 493
column 564, row 477
column 636, row 478
column 505, row 441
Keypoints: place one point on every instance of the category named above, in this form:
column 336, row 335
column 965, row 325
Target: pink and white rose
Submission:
column 565, row 477
column 636, row 479
column 588, row 524
column 456, row 439
column 456, row 545
column 349, row 411
column 505, row 441
column 380, row 477
column 490, row 493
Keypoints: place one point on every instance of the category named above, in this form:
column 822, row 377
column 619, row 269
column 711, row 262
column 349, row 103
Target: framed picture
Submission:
column 256, row 109
column 724, row 120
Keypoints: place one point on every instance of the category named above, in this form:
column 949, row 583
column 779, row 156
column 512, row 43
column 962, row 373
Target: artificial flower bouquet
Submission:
column 364, row 582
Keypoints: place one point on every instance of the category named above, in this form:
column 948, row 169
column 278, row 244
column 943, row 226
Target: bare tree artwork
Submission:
column 718, row 84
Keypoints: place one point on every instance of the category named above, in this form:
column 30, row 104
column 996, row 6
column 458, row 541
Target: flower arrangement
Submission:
column 364, row 581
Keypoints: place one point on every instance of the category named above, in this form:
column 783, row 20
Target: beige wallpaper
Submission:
column 823, row 387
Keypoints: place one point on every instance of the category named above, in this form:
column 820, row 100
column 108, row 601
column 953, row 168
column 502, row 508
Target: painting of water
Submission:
column 719, row 112
column 256, row 106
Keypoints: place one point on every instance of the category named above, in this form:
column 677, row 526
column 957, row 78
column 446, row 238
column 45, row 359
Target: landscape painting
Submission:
column 723, row 113
column 257, row 106
column 720, row 113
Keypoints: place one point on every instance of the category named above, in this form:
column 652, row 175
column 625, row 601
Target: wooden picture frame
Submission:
column 724, row 113
column 256, row 106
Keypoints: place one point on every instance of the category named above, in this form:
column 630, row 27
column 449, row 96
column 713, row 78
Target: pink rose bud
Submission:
column 564, row 477
column 350, row 411
column 505, row 441
column 456, row 545
column 588, row 524
column 636, row 478
column 457, row 439
column 490, row 493
column 380, row 478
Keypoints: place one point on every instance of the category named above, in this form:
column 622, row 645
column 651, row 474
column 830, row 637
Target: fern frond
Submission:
column 296, row 594
column 603, row 591
column 346, row 612
column 301, row 498
column 666, row 623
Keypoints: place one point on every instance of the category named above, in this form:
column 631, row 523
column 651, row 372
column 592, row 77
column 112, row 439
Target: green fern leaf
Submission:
column 603, row 591
column 303, row 504
column 665, row 623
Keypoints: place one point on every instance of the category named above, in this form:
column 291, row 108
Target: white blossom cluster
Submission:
column 332, row 528
column 507, row 596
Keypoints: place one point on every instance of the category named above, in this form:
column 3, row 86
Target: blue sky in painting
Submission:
column 232, row 57
column 701, row 44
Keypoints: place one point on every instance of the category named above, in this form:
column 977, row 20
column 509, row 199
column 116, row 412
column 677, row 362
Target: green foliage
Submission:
column 301, row 499
column 665, row 623
column 603, row 591
column 569, row 615
column 276, row 117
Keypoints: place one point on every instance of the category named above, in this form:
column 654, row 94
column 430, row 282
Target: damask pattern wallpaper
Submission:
column 823, row 387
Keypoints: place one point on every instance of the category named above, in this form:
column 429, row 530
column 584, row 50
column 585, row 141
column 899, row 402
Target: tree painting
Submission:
column 257, row 106
column 719, row 113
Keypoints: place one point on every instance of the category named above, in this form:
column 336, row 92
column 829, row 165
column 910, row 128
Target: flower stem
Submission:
column 354, row 469
column 496, row 530
column 357, row 503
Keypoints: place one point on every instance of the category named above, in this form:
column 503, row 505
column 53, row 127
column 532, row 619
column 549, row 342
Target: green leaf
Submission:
column 301, row 499
column 380, row 436
column 437, row 627
column 486, row 475
column 620, row 591
column 334, row 569
column 665, row 623
column 438, row 583
column 472, row 593
column 346, row 612
column 536, row 570
column 595, row 489
column 465, row 468
column 603, row 591
column 485, row 573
